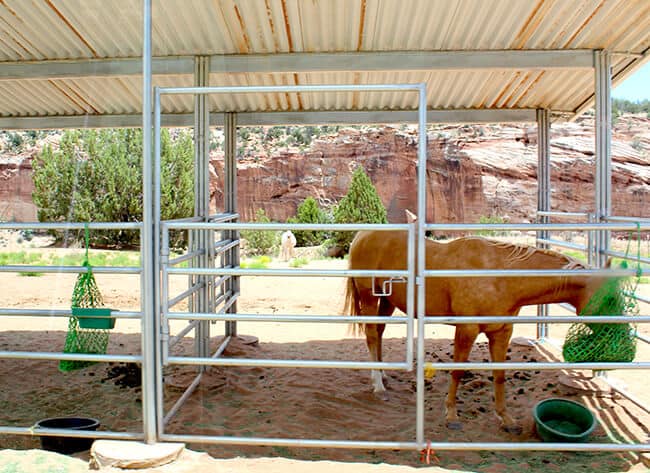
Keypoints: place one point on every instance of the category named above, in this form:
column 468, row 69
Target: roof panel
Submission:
column 92, row 29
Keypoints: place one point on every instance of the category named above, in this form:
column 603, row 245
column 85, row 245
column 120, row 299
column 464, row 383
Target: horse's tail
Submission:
column 352, row 306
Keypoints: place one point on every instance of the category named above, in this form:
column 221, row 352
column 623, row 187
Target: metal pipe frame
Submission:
column 563, row 244
column 97, row 434
column 184, row 295
column 549, row 213
column 151, row 393
column 603, row 156
column 222, row 347
column 278, row 363
column 417, row 446
column 35, row 355
column 70, row 226
column 225, row 245
column 202, row 199
column 543, row 196
column 173, row 340
column 341, row 319
column 525, row 227
column 23, row 268
column 223, row 217
column 477, row 273
column 588, row 250
column 419, row 280
column 293, row 272
column 618, row 254
column 619, row 218
column 342, row 227
column 232, row 235
column 186, row 257
column 231, row 257
column 184, row 397
column 58, row 356
column 115, row 314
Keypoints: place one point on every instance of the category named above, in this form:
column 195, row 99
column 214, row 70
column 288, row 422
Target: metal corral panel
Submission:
column 103, row 30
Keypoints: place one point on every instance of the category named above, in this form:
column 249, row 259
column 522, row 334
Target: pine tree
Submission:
column 310, row 212
column 360, row 205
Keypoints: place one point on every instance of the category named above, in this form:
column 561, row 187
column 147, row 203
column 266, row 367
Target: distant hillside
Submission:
column 473, row 171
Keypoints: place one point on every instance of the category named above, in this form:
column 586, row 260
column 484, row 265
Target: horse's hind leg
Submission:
column 463, row 341
column 374, row 333
column 499, row 341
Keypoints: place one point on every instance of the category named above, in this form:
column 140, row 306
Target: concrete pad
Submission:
column 132, row 455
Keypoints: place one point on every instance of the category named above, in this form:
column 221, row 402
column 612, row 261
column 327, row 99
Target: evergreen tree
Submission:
column 360, row 205
column 260, row 242
column 96, row 176
column 310, row 212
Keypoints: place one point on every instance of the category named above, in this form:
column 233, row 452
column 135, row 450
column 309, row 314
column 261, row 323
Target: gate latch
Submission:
column 387, row 286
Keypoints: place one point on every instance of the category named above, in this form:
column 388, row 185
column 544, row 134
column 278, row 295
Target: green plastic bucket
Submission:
column 562, row 420
column 94, row 318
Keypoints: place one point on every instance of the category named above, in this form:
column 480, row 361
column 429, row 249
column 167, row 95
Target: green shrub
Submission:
column 310, row 212
column 360, row 205
column 298, row 262
column 259, row 262
column 493, row 219
column 96, row 176
column 260, row 242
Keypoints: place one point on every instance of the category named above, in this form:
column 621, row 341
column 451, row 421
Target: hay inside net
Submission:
column 594, row 343
column 85, row 294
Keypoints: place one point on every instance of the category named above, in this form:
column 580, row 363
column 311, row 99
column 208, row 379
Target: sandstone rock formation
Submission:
column 472, row 171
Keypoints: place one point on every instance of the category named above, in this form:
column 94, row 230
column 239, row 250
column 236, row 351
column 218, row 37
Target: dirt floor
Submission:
column 303, row 403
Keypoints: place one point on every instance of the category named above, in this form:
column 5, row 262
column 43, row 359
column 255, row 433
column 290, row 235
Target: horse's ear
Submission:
column 410, row 216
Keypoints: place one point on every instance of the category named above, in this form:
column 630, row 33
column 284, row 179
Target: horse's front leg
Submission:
column 499, row 342
column 463, row 341
column 374, row 333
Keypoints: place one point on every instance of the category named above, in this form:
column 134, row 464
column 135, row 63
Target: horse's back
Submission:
column 378, row 250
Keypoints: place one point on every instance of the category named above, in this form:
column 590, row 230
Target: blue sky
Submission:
column 635, row 87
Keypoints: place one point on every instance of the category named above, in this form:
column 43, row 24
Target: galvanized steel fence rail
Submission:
column 36, row 312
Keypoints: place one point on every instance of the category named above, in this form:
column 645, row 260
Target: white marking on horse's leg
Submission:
column 377, row 383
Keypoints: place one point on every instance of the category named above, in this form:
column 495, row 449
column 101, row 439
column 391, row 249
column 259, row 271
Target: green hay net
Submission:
column 80, row 340
column 594, row 343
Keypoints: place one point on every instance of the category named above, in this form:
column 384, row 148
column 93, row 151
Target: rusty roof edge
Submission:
column 639, row 61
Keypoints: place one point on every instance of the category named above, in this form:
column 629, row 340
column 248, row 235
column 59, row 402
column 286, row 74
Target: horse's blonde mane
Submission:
column 520, row 253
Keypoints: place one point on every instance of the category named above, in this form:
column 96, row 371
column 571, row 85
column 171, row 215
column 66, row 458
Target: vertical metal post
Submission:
column 421, row 248
column 148, row 251
column 603, row 132
column 202, row 199
column 160, row 325
column 543, row 194
column 231, row 258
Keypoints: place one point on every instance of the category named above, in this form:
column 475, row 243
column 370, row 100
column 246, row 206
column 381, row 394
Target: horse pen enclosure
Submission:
column 180, row 365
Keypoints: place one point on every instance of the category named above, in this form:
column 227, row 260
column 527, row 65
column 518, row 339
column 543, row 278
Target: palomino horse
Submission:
column 462, row 296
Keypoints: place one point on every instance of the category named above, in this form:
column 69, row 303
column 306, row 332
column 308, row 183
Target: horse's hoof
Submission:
column 454, row 425
column 381, row 395
column 513, row 429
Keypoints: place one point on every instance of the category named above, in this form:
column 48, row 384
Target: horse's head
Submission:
column 603, row 295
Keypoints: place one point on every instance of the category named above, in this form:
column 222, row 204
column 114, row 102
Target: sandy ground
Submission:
column 302, row 403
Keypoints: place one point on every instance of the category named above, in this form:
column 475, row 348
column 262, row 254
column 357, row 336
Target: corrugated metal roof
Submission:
column 79, row 30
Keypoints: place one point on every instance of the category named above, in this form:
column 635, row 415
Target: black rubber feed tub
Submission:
column 67, row 445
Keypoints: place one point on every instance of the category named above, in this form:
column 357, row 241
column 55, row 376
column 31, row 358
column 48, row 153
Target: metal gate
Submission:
column 214, row 274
